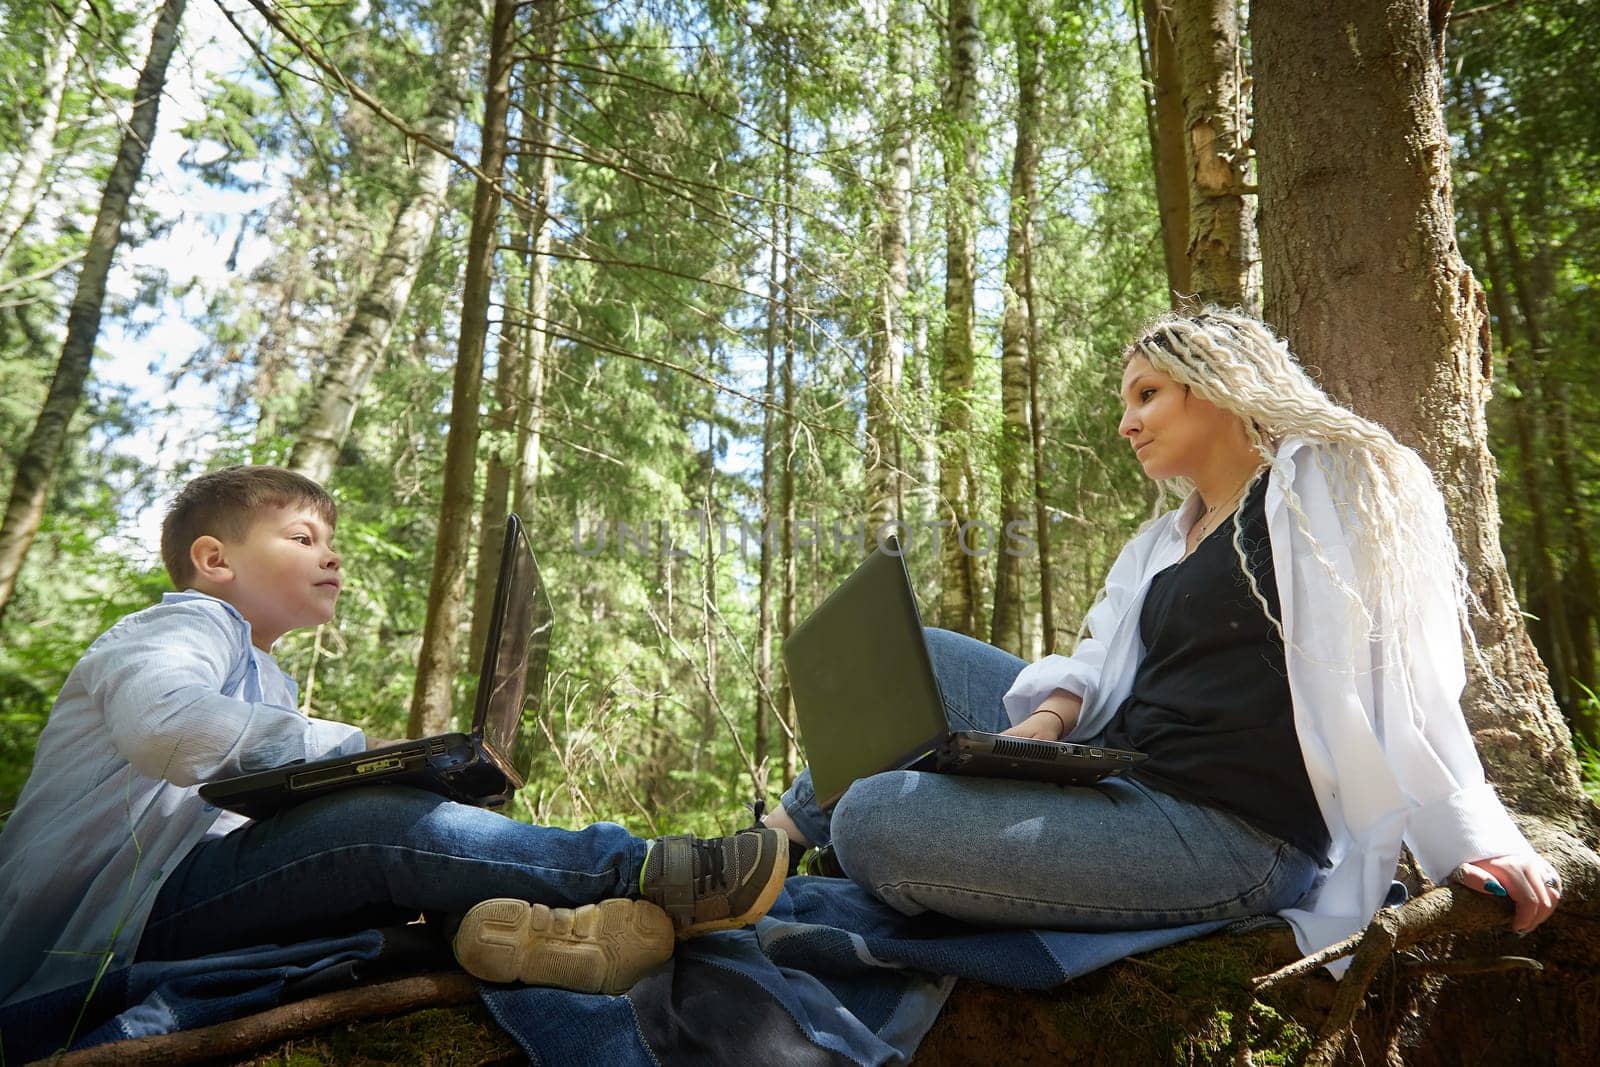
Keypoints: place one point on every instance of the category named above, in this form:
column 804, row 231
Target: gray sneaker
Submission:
column 597, row 948
column 715, row 884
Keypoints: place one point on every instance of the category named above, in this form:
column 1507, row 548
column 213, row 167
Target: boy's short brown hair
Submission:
column 223, row 503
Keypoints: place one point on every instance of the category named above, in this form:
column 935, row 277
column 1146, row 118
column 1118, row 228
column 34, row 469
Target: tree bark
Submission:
column 769, row 475
column 431, row 695
column 786, row 502
column 1576, row 611
column 507, row 417
column 1543, row 585
column 1222, row 237
column 536, row 334
column 885, row 356
column 1163, row 102
column 36, row 466
column 1016, row 336
column 1366, row 282
column 958, row 586
column 27, row 170
column 349, row 365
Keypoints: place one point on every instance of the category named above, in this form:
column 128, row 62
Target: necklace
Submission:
column 1215, row 512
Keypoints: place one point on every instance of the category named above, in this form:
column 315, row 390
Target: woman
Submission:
column 1285, row 646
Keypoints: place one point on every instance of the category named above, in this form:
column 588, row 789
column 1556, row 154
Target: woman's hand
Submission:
column 1042, row 725
column 1528, row 879
column 1052, row 720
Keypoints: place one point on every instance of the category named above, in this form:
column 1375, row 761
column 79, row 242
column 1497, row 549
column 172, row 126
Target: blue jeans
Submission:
column 376, row 857
column 1113, row 855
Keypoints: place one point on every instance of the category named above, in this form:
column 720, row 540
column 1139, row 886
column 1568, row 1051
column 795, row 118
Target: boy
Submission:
column 112, row 852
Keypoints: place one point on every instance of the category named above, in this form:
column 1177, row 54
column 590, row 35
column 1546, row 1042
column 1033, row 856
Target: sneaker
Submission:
column 597, row 948
column 758, row 815
column 718, row 884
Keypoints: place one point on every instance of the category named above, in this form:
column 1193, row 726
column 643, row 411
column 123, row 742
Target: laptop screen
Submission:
column 516, row 652
column 864, row 690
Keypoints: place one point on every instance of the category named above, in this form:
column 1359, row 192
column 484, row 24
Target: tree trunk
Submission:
column 1366, row 282
column 1581, row 578
column 536, row 332
column 1543, row 585
column 958, row 586
column 436, row 663
column 919, row 370
column 350, row 363
column 27, row 170
column 769, row 445
column 36, row 466
column 500, row 430
column 885, row 357
column 1016, row 335
column 1163, row 103
column 1041, row 513
column 786, row 503
column 1576, row 611
column 1222, row 232
column 504, row 425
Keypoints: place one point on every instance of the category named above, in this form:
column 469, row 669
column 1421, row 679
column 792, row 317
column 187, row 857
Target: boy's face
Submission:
column 283, row 575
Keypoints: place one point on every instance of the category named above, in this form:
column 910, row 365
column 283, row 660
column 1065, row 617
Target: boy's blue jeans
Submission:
column 376, row 857
column 1114, row 855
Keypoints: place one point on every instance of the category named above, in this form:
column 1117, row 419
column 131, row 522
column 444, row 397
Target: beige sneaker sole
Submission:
column 763, row 904
column 598, row 948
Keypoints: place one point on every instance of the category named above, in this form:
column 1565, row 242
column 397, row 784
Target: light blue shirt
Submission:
column 169, row 697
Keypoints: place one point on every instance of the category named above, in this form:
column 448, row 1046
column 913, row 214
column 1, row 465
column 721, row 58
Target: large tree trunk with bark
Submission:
column 36, row 466
column 1222, row 232
column 436, row 663
column 1163, row 102
column 1364, row 278
column 350, row 363
column 27, row 170
column 1016, row 336
column 958, row 586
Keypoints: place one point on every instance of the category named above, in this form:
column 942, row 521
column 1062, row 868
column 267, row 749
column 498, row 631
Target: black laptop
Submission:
column 482, row 767
column 867, row 699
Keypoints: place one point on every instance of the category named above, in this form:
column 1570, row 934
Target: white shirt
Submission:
column 1386, row 748
column 169, row 697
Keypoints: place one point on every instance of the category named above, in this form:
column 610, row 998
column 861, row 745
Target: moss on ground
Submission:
column 438, row 1037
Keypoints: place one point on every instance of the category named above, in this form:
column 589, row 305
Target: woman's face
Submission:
column 1174, row 433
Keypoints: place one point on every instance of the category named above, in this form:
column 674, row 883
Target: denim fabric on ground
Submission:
column 832, row 975
column 154, row 998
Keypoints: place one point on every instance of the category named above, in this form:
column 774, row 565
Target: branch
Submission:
column 283, row 1022
column 360, row 95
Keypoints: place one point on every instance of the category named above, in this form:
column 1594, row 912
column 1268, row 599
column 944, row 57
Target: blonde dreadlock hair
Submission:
column 1383, row 492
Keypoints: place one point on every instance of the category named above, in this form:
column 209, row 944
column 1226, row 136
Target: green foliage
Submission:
column 685, row 134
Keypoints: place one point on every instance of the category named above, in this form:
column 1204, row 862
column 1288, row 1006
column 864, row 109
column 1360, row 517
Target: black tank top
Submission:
column 1210, row 703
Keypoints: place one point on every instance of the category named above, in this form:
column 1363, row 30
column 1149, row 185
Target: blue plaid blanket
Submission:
column 832, row 975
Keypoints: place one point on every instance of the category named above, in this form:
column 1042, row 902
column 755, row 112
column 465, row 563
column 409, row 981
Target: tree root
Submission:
column 281, row 1023
column 1441, row 910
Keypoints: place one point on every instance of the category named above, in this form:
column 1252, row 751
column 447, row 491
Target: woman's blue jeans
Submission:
column 376, row 857
column 1113, row 855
